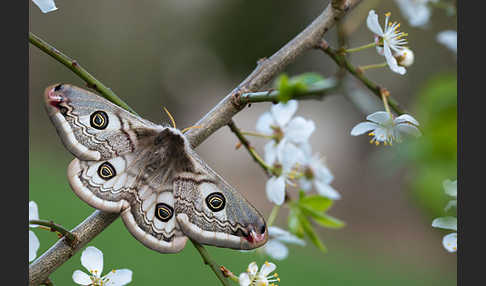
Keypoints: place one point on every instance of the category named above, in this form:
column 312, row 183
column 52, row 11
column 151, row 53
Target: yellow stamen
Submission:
column 275, row 275
column 189, row 128
column 388, row 14
column 170, row 116
column 377, row 143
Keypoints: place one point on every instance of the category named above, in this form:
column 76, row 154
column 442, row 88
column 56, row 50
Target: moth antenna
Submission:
column 189, row 128
column 170, row 116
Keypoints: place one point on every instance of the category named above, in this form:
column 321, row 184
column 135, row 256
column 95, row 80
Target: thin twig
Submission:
column 313, row 92
column 248, row 147
column 219, row 116
column 344, row 63
column 79, row 70
column 48, row 282
column 55, row 227
column 210, row 262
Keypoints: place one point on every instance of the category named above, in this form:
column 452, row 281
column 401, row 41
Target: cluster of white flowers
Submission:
column 45, row 5
column 390, row 42
column 92, row 260
column 253, row 277
column 33, row 240
column 449, row 222
column 289, row 153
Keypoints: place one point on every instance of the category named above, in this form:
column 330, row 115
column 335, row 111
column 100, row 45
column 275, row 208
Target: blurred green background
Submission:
column 186, row 55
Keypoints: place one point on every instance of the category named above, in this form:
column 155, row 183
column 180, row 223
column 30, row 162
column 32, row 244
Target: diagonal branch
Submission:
column 216, row 118
column 343, row 62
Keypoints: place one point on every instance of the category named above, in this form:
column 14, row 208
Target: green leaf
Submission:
column 293, row 221
column 322, row 218
column 307, row 226
column 316, row 202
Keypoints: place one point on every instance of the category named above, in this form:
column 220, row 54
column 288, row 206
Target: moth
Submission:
column 149, row 174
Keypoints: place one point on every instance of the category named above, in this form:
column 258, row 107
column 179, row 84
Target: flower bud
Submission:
column 404, row 57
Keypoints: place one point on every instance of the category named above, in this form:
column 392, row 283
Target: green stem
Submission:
column 254, row 134
column 344, row 63
column 360, row 48
column 55, row 227
column 79, row 70
column 209, row 261
column 273, row 215
column 315, row 91
column 374, row 66
column 268, row 169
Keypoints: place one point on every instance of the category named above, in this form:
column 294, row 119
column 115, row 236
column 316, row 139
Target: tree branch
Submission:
column 210, row 262
column 267, row 69
column 73, row 65
column 55, row 227
column 344, row 63
column 219, row 116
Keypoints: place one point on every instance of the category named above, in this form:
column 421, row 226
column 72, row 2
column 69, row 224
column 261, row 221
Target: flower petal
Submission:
column 299, row 130
column 45, row 5
column 33, row 212
column 267, row 268
column 282, row 112
column 244, row 279
column 305, row 184
column 449, row 39
column 33, row 245
column 450, row 242
column 118, row 277
column 451, row 204
column 252, row 268
column 380, row 117
column 288, row 154
column 276, row 249
column 275, row 189
column 92, row 259
column 362, row 128
column 326, row 190
column 406, row 118
column 408, row 129
column 284, row 236
column 450, row 187
column 81, row 278
column 373, row 24
column 447, row 222
column 264, row 123
column 392, row 62
column 271, row 151
column 416, row 12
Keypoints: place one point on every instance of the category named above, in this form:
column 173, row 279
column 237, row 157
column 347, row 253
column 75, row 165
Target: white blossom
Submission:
column 275, row 189
column 275, row 246
column 389, row 41
column 92, row 260
column 254, row 277
column 448, row 222
column 386, row 129
column 417, row 12
column 45, row 5
column 316, row 173
column 289, row 135
column 33, row 240
column 449, row 39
